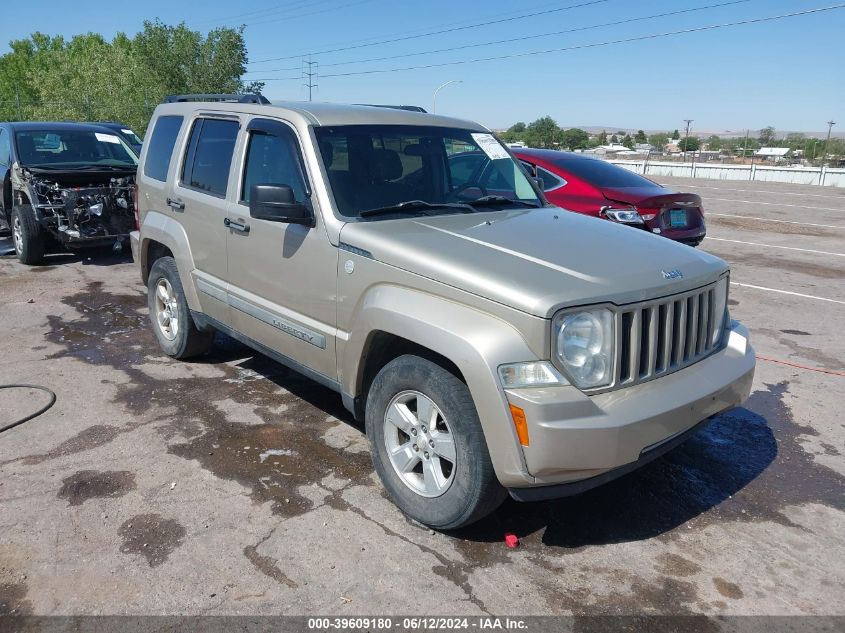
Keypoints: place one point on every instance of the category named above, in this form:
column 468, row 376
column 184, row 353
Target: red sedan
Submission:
column 595, row 187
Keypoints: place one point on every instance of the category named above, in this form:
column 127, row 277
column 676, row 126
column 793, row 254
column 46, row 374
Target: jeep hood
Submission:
column 536, row 260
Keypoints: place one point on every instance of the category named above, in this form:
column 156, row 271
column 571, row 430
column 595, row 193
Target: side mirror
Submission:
column 276, row 203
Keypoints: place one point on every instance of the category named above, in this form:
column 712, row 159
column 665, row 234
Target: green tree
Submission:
column 640, row 137
column 767, row 136
column 795, row 140
column 514, row 133
column 614, row 139
column 676, row 135
column 689, row 144
column 17, row 88
column 602, row 138
column 543, row 132
column 90, row 78
column 737, row 145
column 628, row 141
column 659, row 141
column 714, row 142
column 574, row 138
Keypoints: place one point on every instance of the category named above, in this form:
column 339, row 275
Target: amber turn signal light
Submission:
column 520, row 423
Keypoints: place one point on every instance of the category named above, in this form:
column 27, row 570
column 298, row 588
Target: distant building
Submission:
column 604, row 150
column 775, row 154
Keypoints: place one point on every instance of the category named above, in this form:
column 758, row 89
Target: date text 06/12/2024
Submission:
column 416, row 624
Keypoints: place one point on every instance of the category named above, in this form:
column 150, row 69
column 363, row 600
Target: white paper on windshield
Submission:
column 490, row 146
column 107, row 138
column 125, row 131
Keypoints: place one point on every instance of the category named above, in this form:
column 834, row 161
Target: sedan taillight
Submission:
column 625, row 215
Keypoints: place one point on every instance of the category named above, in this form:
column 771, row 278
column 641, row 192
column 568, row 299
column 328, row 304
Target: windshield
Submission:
column 601, row 173
column 69, row 149
column 382, row 166
column 131, row 136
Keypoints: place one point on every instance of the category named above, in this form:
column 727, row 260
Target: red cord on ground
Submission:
column 818, row 369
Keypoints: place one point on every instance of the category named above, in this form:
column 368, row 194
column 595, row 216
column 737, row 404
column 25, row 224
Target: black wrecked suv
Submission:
column 67, row 185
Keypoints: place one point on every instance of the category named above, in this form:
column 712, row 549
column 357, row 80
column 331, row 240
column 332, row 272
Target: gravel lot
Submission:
column 232, row 485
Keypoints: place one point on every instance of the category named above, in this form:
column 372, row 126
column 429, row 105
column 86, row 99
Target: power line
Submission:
column 267, row 11
column 303, row 15
column 439, row 32
column 519, row 39
column 437, row 26
column 576, row 47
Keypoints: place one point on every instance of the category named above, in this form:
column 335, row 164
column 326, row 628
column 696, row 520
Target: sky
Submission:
column 785, row 73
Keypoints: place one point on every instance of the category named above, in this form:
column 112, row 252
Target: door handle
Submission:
column 236, row 226
column 176, row 205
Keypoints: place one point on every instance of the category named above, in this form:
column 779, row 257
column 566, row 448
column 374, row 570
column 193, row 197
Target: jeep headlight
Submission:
column 584, row 346
column 720, row 304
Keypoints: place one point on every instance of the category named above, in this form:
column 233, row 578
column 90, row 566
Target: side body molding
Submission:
column 475, row 342
column 160, row 228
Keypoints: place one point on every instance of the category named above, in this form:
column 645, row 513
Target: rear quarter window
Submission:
column 160, row 147
column 209, row 155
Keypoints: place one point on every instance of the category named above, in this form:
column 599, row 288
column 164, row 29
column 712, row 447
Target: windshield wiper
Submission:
column 100, row 167
column 61, row 167
column 492, row 201
column 413, row 206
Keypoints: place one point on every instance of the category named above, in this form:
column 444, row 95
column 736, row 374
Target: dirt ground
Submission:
column 231, row 485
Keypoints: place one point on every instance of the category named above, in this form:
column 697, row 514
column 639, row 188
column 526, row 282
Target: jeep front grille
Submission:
column 664, row 335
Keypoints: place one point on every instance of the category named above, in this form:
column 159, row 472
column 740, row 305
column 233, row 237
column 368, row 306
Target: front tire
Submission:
column 428, row 446
column 170, row 316
column 27, row 235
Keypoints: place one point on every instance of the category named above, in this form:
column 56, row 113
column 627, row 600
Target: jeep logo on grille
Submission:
column 672, row 274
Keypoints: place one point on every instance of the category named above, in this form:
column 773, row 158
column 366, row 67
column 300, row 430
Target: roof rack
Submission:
column 259, row 99
column 409, row 108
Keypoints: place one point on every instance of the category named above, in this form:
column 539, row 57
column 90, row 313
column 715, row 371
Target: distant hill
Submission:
column 611, row 129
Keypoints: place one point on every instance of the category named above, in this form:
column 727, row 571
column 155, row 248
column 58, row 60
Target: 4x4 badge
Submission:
column 672, row 274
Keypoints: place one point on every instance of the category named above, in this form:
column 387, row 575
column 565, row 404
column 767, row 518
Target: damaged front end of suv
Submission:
column 72, row 186
column 79, row 208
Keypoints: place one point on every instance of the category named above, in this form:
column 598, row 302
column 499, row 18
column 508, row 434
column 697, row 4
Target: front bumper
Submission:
column 135, row 243
column 575, row 437
column 693, row 233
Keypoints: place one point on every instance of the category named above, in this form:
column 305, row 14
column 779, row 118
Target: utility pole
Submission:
column 686, row 138
column 830, row 125
column 745, row 149
column 309, row 72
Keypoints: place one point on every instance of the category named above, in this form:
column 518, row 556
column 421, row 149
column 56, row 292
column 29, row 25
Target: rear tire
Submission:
column 437, row 469
column 27, row 235
column 170, row 316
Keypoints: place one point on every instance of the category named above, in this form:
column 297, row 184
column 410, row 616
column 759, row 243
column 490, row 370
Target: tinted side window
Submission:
column 5, row 148
column 162, row 142
column 273, row 160
column 550, row 181
column 209, row 155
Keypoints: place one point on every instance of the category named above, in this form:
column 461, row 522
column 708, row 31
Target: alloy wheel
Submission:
column 419, row 443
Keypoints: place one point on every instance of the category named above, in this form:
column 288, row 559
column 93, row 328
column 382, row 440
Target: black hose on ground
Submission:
column 37, row 413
